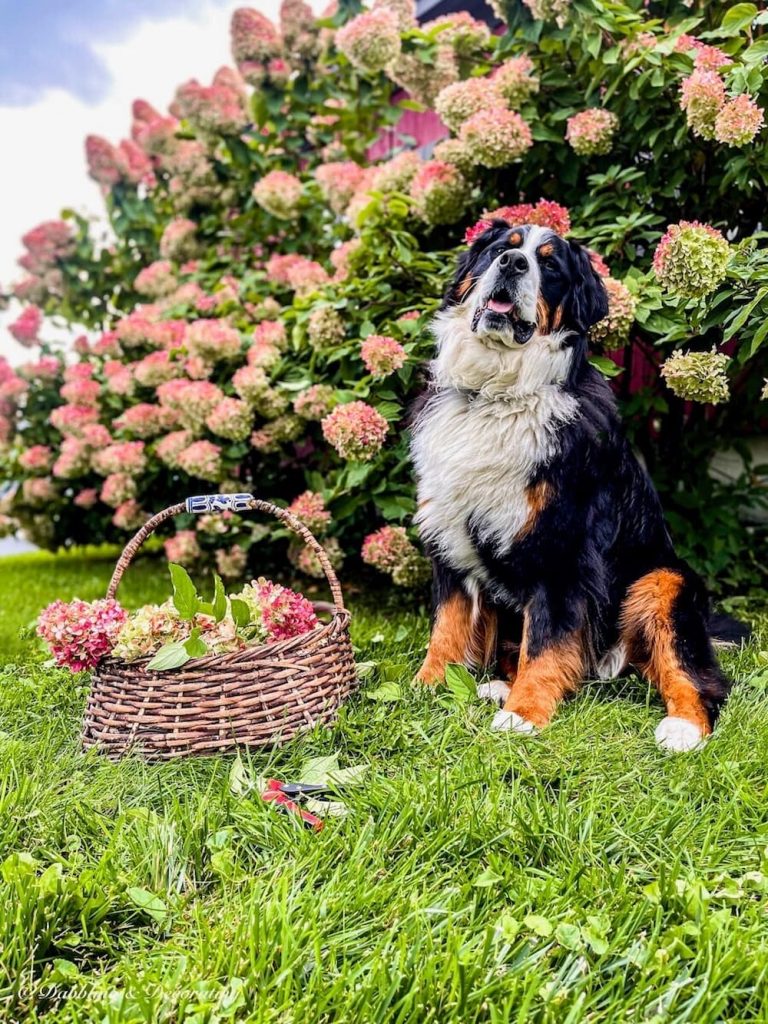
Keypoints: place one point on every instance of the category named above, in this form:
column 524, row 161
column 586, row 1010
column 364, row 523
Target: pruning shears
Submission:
column 286, row 796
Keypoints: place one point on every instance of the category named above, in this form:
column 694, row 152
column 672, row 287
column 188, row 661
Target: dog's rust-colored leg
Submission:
column 648, row 630
column 543, row 680
column 462, row 633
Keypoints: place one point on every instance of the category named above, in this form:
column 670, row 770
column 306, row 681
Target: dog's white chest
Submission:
column 474, row 461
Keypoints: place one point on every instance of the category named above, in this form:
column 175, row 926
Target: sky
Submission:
column 69, row 68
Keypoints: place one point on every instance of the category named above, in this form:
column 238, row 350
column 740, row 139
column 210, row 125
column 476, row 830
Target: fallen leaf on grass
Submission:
column 147, row 902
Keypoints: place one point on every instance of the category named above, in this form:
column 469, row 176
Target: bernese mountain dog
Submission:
column 550, row 551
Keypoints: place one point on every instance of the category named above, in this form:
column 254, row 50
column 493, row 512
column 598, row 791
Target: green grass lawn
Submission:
column 578, row 876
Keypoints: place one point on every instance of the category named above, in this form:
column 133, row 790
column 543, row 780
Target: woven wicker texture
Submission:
column 258, row 696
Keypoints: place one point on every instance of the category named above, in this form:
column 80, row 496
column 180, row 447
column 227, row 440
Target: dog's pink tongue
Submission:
column 499, row 307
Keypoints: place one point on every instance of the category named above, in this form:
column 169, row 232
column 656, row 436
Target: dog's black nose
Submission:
column 514, row 261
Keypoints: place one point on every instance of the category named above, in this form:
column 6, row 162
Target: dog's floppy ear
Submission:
column 464, row 279
column 587, row 300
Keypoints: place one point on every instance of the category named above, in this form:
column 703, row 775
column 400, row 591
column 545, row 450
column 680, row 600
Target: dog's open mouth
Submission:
column 500, row 304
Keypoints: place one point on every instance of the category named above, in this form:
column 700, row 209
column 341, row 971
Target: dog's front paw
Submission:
column 496, row 690
column 678, row 735
column 510, row 721
column 429, row 675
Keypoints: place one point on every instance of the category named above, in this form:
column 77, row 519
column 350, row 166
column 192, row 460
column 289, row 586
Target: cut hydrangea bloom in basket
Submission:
column 80, row 634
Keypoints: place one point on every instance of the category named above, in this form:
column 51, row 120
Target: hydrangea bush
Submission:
column 256, row 316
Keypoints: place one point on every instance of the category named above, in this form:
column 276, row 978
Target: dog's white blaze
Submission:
column 475, row 454
column 528, row 284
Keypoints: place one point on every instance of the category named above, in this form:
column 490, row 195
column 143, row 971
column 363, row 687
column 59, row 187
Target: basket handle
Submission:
column 212, row 503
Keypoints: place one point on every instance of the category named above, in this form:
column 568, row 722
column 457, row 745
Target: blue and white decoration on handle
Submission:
column 202, row 503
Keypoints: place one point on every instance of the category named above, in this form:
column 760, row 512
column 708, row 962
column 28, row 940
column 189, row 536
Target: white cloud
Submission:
column 44, row 166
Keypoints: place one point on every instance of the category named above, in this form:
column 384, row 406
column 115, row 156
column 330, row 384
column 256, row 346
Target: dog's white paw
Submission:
column 510, row 721
column 497, row 691
column 678, row 735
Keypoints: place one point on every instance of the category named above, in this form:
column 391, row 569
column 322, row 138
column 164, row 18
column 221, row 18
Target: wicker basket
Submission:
column 253, row 697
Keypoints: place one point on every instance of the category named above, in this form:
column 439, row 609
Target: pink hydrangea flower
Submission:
column 48, row 242
column 710, row 58
column 279, row 193
column 146, row 420
column 390, row 550
column 356, row 430
column 37, row 459
column 26, row 327
column 213, row 340
column 457, row 102
column 591, row 132
column 315, row 402
column 231, row 562
column 371, row 40
column 284, row 613
column 179, row 239
column 255, row 42
column 156, row 280
column 702, row 95
column 73, row 460
column 341, row 256
column 156, row 369
column 96, row 435
column 13, row 387
column 38, row 491
column 691, row 259
column 81, row 392
column 129, row 515
column 46, row 368
column 183, row 548
column 382, row 355
column 310, row 508
column 279, row 264
column 86, row 498
column 270, row 332
column 133, row 164
column 250, row 383
column 121, row 457
column 168, row 448
column 440, row 192
column 231, row 418
column 218, row 108
column 101, row 158
column 117, row 488
column 119, row 378
column 515, row 81
column 80, row 634
column 71, row 419
column 338, row 182
column 739, row 121
column 305, row 276
column 386, row 547
column 201, row 459
column 191, row 400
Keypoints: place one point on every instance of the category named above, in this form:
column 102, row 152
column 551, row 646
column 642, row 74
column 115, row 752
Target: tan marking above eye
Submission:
column 547, row 249
column 515, row 238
